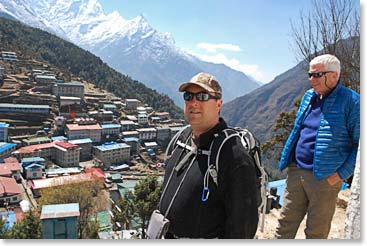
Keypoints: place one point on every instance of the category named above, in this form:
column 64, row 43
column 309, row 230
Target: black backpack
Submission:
column 250, row 143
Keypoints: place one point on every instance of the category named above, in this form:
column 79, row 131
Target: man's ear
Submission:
column 219, row 103
column 336, row 75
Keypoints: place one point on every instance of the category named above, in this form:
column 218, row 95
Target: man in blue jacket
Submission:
column 320, row 151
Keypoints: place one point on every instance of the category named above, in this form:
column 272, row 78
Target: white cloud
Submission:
column 214, row 47
column 249, row 69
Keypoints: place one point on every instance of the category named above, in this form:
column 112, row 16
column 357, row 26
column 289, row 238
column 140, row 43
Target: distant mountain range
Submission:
column 131, row 47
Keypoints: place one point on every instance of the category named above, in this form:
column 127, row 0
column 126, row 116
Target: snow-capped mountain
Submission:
column 132, row 47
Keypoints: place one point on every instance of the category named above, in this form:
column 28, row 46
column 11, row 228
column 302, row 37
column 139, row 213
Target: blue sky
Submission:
column 250, row 36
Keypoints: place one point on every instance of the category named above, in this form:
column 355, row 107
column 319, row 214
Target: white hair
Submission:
column 330, row 62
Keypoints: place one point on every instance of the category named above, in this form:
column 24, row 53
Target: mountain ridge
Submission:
column 132, row 47
column 69, row 58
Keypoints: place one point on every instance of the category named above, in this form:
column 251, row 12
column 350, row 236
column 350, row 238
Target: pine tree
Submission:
column 140, row 204
column 28, row 228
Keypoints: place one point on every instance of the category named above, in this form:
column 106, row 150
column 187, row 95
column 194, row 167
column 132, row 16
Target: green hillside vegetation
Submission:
column 69, row 58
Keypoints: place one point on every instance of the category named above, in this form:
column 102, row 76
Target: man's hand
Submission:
column 333, row 179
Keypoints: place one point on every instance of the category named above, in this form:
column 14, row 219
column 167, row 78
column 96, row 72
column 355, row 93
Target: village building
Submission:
column 71, row 89
column 75, row 131
column 131, row 104
column 39, row 140
column 11, row 170
column 60, row 221
column 85, row 148
column 4, row 132
column 146, row 134
column 10, row 193
column 24, row 108
column 64, row 100
column 59, row 138
column 38, row 184
column 151, row 145
column 30, row 160
column 6, row 149
column 62, row 153
column 131, row 118
column 143, row 119
column 134, row 144
column 55, row 172
column 130, row 134
column 110, row 107
column 45, row 79
column 141, row 110
column 127, row 125
column 9, row 56
column 111, row 129
column 33, row 171
column 163, row 135
column 162, row 115
column 112, row 153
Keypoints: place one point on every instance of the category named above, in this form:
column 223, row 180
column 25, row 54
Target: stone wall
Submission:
column 353, row 220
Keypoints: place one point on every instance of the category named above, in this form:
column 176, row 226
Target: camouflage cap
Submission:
column 205, row 81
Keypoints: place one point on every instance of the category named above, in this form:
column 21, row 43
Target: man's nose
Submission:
column 194, row 101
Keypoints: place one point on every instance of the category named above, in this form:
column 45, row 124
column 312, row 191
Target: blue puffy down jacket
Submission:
column 337, row 137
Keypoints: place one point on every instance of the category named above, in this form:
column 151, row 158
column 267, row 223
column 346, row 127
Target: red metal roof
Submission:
column 7, row 168
column 98, row 172
column 65, row 145
column 76, row 127
column 10, row 160
column 63, row 180
column 36, row 147
column 9, row 186
column 33, row 148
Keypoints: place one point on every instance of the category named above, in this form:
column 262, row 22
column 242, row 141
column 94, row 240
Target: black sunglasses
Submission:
column 318, row 74
column 200, row 96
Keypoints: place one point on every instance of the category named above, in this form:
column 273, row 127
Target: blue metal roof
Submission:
column 60, row 210
column 33, row 159
column 34, row 165
column 127, row 122
column 9, row 218
column 6, row 146
column 131, row 139
column 59, row 138
column 112, row 146
column 106, row 126
column 81, row 141
column 3, row 124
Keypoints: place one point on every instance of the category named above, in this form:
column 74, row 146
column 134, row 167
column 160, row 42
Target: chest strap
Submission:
column 193, row 149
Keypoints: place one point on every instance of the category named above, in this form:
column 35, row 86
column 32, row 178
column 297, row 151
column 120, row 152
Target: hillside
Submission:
column 70, row 59
column 130, row 46
column 259, row 109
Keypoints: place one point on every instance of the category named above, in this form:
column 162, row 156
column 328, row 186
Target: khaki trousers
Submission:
column 305, row 194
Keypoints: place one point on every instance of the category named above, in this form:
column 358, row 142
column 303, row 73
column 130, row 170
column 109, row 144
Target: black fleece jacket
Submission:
column 230, row 211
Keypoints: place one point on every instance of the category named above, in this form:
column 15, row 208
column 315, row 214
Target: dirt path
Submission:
column 337, row 225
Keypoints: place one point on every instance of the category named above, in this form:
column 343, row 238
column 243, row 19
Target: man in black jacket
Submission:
column 197, row 207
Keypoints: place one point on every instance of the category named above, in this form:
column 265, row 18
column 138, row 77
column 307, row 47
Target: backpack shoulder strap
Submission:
column 182, row 133
column 214, row 151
